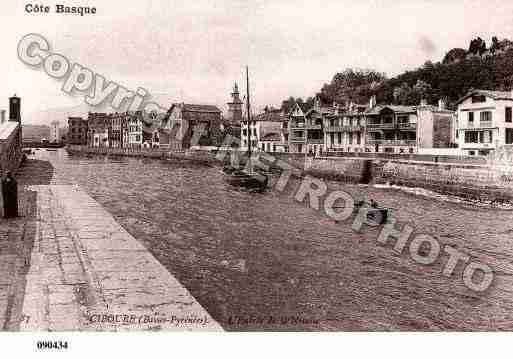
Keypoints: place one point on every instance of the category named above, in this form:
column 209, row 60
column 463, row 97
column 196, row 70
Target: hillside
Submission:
column 460, row 70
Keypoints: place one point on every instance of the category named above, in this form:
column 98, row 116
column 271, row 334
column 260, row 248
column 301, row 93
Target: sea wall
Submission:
column 466, row 178
column 11, row 153
column 203, row 157
column 480, row 182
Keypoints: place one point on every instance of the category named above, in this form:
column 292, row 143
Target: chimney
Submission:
column 372, row 102
column 2, row 116
column 441, row 104
column 423, row 102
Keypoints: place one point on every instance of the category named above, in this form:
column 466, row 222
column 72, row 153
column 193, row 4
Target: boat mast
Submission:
column 249, row 115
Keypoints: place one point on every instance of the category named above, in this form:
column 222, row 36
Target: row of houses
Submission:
column 173, row 129
column 482, row 123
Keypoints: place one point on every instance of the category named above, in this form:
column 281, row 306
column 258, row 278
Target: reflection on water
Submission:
column 248, row 257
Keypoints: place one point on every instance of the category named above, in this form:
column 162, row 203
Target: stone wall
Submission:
column 10, row 147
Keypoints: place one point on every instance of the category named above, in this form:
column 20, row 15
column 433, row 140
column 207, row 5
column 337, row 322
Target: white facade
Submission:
column 54, row 132
column 134, row 131
column 485, row 122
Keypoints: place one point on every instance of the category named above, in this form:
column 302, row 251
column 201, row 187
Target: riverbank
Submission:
column 17, row 236
column 247, row 255
column 473, row 180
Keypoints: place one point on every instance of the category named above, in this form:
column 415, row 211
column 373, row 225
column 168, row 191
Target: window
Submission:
column 478, row 98
column 486, row 116
column 471, row 137
column 509, row 136
column 508, row 114
column 471, row 117
column 471, row 153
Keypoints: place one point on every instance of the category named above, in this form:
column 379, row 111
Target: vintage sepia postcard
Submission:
column 255, row 166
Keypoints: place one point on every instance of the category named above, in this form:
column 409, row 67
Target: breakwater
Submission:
column 469, row 178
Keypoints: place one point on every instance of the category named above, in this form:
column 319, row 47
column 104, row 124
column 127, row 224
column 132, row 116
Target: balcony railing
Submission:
column 407, row 126
column 392, row 142
column 379, row 126
column 344, row 128
column 485, row 124
column 297, row 139
column 315, row 140
column 334, row 129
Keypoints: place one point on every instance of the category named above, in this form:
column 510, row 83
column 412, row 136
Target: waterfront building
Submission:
column 314, row 126
column 265, row 131
column 297, row 128
column 98, row 129
column 118, row 129
column 344, row 129
column 392, row 129
column 134, row 130
column 182, row 119
column 410, row 129
column 77, row 131
column 485, row 121
column 54, row 132
column 436, row 129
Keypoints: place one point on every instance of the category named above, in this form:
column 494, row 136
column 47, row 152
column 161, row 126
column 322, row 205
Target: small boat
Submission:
column 377, row 214
column 241, row 178
column 247, row 177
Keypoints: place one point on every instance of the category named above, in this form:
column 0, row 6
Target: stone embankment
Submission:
column 472, row 178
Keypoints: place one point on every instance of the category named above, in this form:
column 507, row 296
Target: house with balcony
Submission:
column 344, row 129
column 297, row 128
column 306, row 127
column 485, row 121
column 391, row 129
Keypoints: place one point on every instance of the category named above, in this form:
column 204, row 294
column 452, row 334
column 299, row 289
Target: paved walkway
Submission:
column 87, row 273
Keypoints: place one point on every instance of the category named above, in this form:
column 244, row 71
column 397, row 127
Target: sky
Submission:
column 193, row 51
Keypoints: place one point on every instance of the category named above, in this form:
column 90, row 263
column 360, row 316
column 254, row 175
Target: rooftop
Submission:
column 396, row 108
column 200, row 108
column 496, row 95
column 7, row 128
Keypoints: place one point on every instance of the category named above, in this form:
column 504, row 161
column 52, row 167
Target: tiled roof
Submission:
column 396, row 108
column 6, row 129
column 269, row 116
column 435, row 109
column 200, row 108
column 496, row 95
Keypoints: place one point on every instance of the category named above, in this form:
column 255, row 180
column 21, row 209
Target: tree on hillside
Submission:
column 455, row 55
column 406, row 95
column 355, row 85
column 477, row 46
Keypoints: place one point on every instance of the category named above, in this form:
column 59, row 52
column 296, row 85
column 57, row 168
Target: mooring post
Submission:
column 10, row 196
